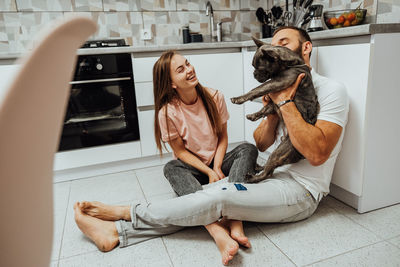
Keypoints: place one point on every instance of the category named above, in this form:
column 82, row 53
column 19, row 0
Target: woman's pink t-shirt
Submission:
column 191, row 123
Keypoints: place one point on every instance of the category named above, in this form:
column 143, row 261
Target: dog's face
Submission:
column 270, row 60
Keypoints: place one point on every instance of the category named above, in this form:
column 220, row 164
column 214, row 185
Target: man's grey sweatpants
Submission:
column 278, row 199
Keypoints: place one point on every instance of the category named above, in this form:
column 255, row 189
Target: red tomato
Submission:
column 351, row 17
column 333, row 21
column 341, row 19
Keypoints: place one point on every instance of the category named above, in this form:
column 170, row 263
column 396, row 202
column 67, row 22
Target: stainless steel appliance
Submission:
column 102, row 106
column 315, row 23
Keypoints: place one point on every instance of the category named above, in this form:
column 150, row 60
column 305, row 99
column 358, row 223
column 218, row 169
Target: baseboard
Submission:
column 344, row 196
column 112, row 167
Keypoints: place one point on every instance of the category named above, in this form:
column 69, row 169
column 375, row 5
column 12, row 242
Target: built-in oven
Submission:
column 102, row 105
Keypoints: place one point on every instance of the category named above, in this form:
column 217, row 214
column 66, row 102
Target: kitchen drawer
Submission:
column 144, row 94
column 143, row 69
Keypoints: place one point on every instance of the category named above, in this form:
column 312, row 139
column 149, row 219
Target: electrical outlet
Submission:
column 145, row 34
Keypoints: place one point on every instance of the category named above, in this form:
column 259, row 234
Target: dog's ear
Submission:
column 269, row 53
column 257, row 42
column 288, row 56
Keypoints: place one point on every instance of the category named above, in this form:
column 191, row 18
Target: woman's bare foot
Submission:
column 226, row 245
column 237, row 233
column 103, row 233
column 104, row 211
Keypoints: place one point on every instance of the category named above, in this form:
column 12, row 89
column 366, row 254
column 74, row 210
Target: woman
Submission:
column 193, row 120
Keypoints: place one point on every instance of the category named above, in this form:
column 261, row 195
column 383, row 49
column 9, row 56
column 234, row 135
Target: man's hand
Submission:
column 287, row 93
column 265, row 100
column 219, row 172
column 213, row 177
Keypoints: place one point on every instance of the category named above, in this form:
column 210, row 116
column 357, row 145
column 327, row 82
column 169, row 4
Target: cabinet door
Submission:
column 224, row 72
column 249, row 83
column 147, row 140
column 349, row 64
column 143, row 68
column 144, row 94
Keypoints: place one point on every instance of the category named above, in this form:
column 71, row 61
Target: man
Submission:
column 292, row 194
column 319, row 143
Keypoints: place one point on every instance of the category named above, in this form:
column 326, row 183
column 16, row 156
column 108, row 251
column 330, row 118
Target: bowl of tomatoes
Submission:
column 344, row 18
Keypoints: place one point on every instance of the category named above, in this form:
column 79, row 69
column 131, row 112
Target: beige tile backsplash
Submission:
column 20, row 20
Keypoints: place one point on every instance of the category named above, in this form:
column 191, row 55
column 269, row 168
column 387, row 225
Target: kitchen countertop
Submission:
column 361, row 30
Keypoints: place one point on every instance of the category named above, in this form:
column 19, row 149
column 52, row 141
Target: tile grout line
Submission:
column 344, row 253
column 95, row 176
column 65, row 221
column 362, row 226
column 83, row 253
column 388, row 240
column 165, row 246
column 276, row 246
column 140, row 185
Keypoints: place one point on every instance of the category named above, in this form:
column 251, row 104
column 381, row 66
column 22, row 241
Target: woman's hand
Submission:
column 213, row 176
column 219, row 172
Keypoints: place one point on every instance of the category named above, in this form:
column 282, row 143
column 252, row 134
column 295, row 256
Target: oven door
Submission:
column 100, row 112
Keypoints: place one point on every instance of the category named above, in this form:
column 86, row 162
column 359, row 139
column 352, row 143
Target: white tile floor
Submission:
column 336, row 235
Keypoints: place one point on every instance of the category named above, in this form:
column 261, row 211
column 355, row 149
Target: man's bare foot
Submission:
column 237, row 233
column 103, row 233
column 105, row 212
column 226, row 245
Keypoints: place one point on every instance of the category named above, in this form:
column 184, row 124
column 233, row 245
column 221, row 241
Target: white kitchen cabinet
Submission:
column 224, row 72
column 147, row 139
column 143, row 68
column 143, row 77
column 366, row 174
column 249, row 83
column 144, row 94
column 349, row 64
column 146, row 129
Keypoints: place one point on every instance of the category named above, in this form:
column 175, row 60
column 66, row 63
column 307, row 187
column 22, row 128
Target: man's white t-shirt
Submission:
column 334, row 107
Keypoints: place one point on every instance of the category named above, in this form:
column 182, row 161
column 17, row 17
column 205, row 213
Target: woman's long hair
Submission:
column 164, row 94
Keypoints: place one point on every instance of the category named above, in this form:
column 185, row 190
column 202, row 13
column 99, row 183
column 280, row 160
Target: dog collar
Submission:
column 280, row 104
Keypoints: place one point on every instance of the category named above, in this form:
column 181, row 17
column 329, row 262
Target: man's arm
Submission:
column 186, row 156
column 314, row 142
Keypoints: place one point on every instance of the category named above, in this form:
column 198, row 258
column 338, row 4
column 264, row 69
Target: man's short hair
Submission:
column 304, row 37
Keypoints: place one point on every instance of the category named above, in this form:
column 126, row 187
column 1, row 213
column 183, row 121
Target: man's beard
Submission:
column 298, row 50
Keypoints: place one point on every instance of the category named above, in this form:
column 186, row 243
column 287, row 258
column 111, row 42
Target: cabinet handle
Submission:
column 146, row 108
column 101, row 80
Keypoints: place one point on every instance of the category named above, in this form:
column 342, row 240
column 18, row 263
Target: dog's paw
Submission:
column 237, row 100
column 251, row 179
column 258, row 168
column 252, row 117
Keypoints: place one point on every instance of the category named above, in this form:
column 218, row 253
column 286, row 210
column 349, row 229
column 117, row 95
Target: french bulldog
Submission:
column 277, row 68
